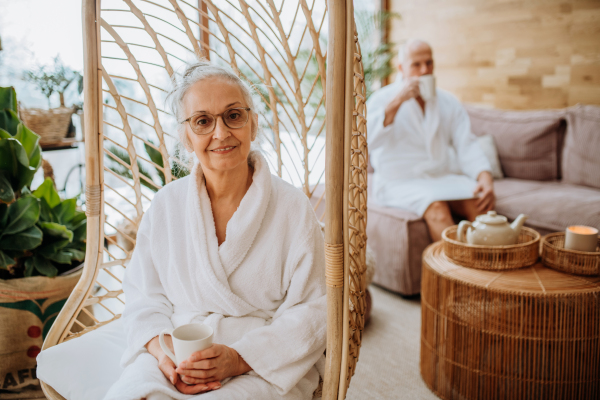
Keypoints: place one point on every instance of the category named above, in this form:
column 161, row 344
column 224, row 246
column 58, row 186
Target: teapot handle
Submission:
column 461, row 233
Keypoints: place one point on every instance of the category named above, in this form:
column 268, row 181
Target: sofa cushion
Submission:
column 581, row 154
column 551, row 206
column 528, row 142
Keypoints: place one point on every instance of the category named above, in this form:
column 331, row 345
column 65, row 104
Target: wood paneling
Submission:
column 526, row 54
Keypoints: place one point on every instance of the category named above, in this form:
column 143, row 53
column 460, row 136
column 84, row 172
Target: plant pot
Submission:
column 52, row 125
column 28, row 308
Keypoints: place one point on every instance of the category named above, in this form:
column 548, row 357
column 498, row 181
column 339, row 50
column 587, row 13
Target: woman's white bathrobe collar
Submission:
column 262, row 290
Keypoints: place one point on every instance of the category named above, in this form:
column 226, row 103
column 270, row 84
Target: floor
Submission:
column 388, row 366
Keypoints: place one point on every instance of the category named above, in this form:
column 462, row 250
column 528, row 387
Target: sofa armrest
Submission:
column 398, row 238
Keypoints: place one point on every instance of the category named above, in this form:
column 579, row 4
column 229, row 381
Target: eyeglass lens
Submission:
column 203, row 124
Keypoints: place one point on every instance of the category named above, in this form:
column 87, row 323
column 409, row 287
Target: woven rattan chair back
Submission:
column 132, row 50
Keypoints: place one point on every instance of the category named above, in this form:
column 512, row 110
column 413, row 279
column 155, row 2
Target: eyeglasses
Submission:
column 204, row 123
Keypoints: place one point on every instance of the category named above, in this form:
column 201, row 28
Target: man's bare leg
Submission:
column 438, row 217
column 466, row 208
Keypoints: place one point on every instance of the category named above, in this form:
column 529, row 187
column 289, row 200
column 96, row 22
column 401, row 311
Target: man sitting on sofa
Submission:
column 425, row 157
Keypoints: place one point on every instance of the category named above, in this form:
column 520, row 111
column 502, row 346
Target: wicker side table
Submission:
column 529, row 333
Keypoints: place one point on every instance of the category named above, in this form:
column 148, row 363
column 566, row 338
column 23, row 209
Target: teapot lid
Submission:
column 492, row 218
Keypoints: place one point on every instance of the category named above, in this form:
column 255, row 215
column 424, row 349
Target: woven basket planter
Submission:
column 530, row 333
column 52, row 125
column 555, row 256
column 522, row 254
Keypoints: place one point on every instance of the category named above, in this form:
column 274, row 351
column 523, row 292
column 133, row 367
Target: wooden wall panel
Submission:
column 507, row 54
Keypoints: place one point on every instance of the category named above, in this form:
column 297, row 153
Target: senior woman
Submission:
column 233, row 247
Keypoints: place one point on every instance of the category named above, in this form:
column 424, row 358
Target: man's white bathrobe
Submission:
column 262, row 290
column 419, row 159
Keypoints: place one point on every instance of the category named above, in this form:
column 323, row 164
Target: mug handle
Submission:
column 163, row 345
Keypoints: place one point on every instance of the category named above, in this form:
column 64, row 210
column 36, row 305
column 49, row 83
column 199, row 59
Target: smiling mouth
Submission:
column 224, row 149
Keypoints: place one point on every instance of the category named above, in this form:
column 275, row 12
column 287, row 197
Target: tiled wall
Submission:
column 527, row 54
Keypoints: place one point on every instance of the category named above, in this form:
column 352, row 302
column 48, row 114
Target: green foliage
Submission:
column 18, row 232
column 177, row 169
column 376, row 56
column 39, row 233
column 20, row 153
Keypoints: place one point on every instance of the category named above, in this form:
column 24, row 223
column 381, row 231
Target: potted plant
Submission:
column 41, row 238
column 54, row 124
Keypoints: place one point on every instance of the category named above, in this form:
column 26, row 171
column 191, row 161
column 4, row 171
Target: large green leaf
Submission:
column 80, row 232
column 25, row 176
column 29, row 267
column 44, row 266
column 156, row 158
column 9, row 121
column 50, row 248
column 65, row 211
column 8, row 98
column 56, row 230
column 4, row 134
column 62, row 257
column 7, row 194
column 77, row 254
column 25, row 240
column 47, row 191
column 46, row 213
column 22, row 214
column 5, row 260
column 35, row 160
column 12, row 154
column 28, row 139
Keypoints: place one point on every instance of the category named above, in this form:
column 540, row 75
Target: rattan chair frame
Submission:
column 340, row 72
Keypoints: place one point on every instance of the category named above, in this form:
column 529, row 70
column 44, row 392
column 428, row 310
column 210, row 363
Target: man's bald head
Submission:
column 416, row 58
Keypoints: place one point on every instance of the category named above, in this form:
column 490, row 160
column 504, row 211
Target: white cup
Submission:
column 427, row 87
column 187, row 339
column 581, row 238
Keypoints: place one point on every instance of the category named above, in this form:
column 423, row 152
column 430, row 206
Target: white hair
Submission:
column 404, row 52
column 195, row 72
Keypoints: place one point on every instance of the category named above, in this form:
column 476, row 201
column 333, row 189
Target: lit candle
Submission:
column 582, row 238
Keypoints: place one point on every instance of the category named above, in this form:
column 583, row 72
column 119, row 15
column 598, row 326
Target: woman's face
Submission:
column 223, row 149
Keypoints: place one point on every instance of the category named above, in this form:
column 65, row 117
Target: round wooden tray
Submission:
column 522, row 254
column 554, row 255
column 529, row 333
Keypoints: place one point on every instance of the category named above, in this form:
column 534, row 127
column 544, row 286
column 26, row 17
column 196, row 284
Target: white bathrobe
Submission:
column 419, row 159
column 262, row 290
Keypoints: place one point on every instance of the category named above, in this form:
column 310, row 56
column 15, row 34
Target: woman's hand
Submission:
column 167, row 367
column 214, row 364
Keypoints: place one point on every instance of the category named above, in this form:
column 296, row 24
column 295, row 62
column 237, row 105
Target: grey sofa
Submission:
column 551, row 165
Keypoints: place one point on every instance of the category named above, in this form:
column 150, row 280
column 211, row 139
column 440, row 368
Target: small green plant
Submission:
column 376, row 56
column 178, row 170
column 39, row 233
column 54, row 79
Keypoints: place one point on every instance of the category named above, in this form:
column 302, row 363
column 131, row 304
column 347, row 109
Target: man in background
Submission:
column 425, row 157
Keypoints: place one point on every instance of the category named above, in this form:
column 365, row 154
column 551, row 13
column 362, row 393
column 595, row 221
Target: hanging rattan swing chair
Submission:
column 297, row 53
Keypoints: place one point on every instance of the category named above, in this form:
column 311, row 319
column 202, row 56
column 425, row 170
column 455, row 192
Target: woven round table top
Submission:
column 534, row 280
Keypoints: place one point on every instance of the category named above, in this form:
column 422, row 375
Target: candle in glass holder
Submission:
column 581, row 238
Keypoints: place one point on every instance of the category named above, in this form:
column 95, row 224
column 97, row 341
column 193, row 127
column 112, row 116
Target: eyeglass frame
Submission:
column 216, row 116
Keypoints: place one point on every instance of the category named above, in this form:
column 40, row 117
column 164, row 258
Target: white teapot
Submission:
column 490, row 229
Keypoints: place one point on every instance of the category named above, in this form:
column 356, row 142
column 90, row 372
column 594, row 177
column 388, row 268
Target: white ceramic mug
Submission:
column 427, row 87
column 187, row 339
column 581, row 238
